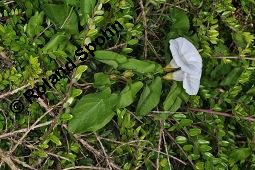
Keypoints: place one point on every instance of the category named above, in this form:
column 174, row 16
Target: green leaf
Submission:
column 158, row 68
column 127, row 95
column 62, row 16
column 40, row 153
column 133, row 41
column 101, row 79
column 205, row 148
column 251, row 91
column 71, row 2
column 180, row 20
column 239, row 39
column 75, row 92
column 202, row 141
column 161, row 116
column 179, row 116
column 187, row 147
column 181, row 139
column 240, row 154
column 127, row 50
column 150, row 97
column 232, row 77
column 66, row 117
column 171, row 97
column 34, row 24
column 110, row 58
column 194, row 131
column 55, row 42
column 55, row 140
column 176, row 105
column 92, row 112
column 139, row 66
column 185, row 122
column 79, row 71
column 86, row 9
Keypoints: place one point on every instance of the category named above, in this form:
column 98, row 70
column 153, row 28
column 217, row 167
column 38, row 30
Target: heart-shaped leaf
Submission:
column 92, row 112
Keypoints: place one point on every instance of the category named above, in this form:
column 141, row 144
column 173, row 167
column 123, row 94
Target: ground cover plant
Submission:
column 120, row 106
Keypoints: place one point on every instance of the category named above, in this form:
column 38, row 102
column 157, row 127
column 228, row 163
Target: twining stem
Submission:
column 250, row 119
column 235, row 57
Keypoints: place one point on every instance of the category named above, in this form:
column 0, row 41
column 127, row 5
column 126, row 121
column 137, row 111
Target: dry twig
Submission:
column 102, row 147
column 85, row 168
column 7, row 159
column 22, row 163
column 159, row 146
column 6, row 135
column 32, row 127
column 96, row 153
column 2, row 96
column 145, row 28
column 165, row 144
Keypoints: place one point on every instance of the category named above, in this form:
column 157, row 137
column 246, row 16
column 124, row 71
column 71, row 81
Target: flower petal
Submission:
column 173, row 64
column 178, row 75
column 191, row 83
column 185, row 55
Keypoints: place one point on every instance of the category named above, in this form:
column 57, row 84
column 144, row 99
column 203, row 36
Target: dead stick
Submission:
column 7, row 159
column 5, row 135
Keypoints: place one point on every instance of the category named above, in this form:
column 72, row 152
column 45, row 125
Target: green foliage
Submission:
column 150, row 97
column 62, row 16
column 110, row 58
column 140, row 120
column 128, row 94
column 180, row 21
column 86, row 8
column 92, row 112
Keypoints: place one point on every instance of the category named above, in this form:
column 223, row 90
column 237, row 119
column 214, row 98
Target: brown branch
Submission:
column 5, row 59
column 33, row 126
column 117, row 46
column 2, row 96
column 165, row 143
column 94, row 151
column 172, row 138
column 159, row 146
column 22, row 163
column 102, row 147
column 6, row 135
column 89, row 147
column 30, row 146
column 147, row 148
column 145, row 28
column 85, row 168
column 250, row 119
column 7, row 159
column 235, row 57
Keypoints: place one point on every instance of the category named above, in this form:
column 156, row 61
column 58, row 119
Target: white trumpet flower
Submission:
column 186, row 57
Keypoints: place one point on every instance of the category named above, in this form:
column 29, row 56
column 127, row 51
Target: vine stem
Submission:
column 250, row 119
column 235, row 57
